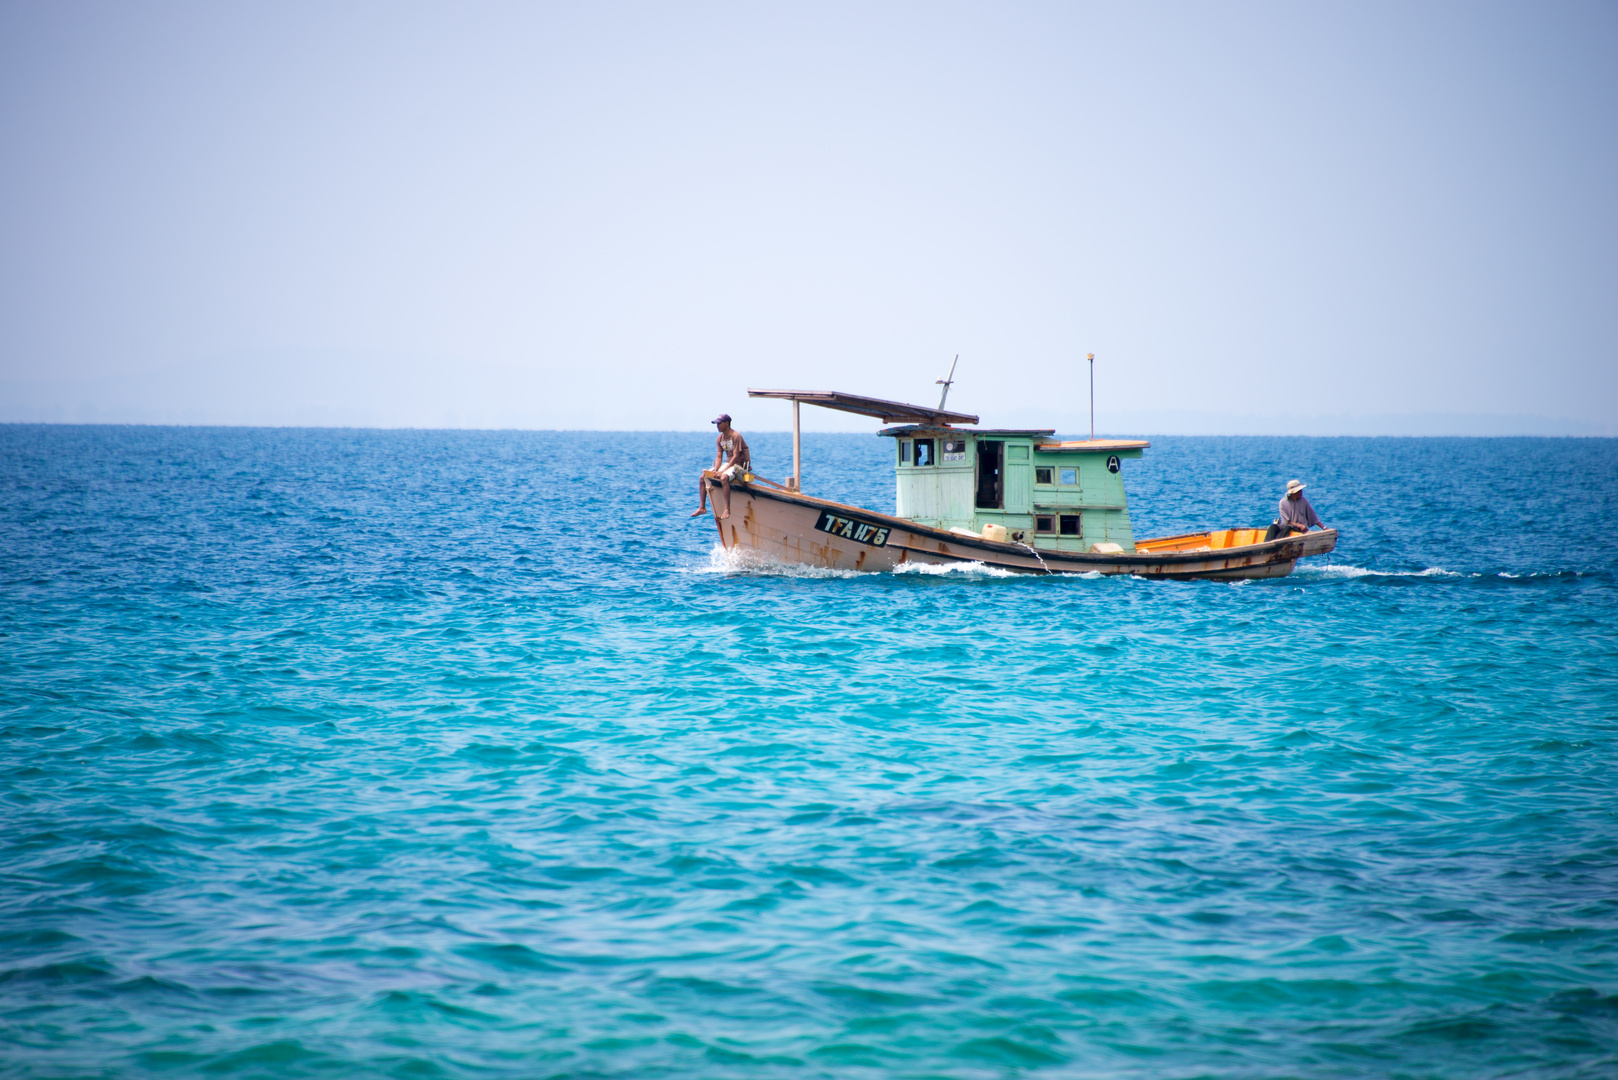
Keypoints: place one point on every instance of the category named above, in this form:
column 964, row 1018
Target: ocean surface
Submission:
column 338, row 753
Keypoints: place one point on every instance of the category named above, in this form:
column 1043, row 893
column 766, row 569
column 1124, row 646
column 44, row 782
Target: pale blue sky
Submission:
column 1261, row 217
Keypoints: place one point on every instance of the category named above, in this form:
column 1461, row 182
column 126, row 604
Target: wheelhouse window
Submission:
column 904, row 451
column 924, row 452
column 1070, row 476
column 1043, row 474
column 1070, row 525
column 954, row 450
column 1045, row 524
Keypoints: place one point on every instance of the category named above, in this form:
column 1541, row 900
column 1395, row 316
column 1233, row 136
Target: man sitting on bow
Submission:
column 731, row 461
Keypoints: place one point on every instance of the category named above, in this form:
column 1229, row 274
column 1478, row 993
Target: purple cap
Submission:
column 722, row 418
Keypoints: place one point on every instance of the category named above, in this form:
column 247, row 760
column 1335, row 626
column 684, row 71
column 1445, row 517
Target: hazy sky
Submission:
column 1384, row 216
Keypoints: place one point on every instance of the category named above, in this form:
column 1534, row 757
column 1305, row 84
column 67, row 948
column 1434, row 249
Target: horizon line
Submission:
column 774, row 431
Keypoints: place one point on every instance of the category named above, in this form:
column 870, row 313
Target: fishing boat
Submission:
column 1013, row 498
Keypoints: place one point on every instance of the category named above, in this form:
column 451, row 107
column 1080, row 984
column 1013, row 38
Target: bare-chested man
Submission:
column 730, row 460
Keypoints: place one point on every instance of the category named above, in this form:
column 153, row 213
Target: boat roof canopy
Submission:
column 889, row 412
column 1096, row 445
column 922, row 429
column 1041, row 438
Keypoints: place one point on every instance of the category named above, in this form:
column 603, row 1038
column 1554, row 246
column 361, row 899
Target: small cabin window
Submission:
column 924, row 452
column 1042, row 474
column 1070, row 476
column 1044, row 523
column 1070, row 523
column 954, row 450
column 1019, row 453
column 904, row 451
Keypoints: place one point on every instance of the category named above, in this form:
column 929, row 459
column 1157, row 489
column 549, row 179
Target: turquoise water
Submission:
column 416, row 754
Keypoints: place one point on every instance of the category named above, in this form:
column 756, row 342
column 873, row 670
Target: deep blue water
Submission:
column 419, row 754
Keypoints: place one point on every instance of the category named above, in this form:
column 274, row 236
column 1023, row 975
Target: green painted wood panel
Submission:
column 944, row 495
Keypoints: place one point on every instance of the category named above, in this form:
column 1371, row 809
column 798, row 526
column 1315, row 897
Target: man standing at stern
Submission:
column 1297, row 516
column 731, row 460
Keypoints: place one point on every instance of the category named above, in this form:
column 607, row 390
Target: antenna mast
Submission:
column 947, row 382
column 1092, row 359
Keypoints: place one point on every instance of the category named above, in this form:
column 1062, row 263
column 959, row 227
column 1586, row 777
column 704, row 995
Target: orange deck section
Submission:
column 1217, row 540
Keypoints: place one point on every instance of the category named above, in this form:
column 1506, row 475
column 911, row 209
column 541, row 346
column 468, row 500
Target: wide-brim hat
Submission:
column 1294, row 486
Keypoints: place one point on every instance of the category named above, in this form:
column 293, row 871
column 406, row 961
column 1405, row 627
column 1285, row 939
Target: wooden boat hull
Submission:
column 790, row 527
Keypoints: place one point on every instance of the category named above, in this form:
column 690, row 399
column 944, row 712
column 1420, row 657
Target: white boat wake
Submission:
column 750, row 563
column 1345, row 572
column 747, row 562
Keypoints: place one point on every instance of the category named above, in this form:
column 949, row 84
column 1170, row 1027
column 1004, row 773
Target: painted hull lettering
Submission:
column 850, row 528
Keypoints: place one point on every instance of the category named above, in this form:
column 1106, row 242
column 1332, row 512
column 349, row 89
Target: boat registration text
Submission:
column 863, row 532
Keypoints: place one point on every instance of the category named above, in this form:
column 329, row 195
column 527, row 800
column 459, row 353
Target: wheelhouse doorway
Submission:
column 991, row 475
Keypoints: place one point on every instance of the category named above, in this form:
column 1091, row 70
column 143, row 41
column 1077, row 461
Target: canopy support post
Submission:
column 1092, row 359
column 797, row 450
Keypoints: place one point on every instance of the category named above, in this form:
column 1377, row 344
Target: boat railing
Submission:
column 749, row 478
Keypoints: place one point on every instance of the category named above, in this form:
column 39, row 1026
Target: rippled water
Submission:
column 338, row 753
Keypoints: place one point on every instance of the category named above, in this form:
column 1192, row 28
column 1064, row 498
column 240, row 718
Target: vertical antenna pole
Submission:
column 947, row 381
column 797, row 450
column 1092, row 359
